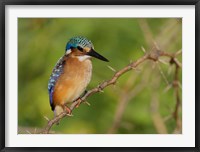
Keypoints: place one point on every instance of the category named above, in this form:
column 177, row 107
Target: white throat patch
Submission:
column 83, row 58
column 68, row 51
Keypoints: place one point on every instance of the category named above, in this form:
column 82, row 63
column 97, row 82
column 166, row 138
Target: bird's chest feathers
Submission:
column 78, row 71
column 74, row 79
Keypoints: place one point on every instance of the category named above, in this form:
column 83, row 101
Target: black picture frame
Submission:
column 4, row 3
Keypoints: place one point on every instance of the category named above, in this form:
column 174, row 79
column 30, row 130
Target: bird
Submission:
column 71, row 74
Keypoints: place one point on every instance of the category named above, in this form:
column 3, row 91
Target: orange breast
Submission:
column 74, row 80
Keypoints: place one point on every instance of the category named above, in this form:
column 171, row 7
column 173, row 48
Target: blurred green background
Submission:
column 140, row 103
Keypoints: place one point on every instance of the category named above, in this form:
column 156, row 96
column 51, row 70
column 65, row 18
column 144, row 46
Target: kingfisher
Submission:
column 71, row 74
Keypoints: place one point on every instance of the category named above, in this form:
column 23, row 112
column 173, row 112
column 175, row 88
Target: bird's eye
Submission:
column 80, row 48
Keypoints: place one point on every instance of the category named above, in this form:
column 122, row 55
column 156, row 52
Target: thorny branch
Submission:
column 178, row 100
column 153, row 55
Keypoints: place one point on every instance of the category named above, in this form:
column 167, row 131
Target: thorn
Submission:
column 70, row 115
column 87, row 103
column 178, row 52
column 111, row 68
column 162, row 74
column 156, row 45
column 143, row 49
column 136, row 69
column 28, row 132
column 167, row 88
column 177, row 62
column 45, row 117
column 167, row 118
column 163, row 61
column 101, row 91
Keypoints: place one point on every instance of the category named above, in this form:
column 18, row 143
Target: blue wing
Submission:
column 57, row 71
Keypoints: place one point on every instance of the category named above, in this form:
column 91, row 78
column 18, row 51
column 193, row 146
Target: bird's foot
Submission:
column 79, row 102
column 68, row 110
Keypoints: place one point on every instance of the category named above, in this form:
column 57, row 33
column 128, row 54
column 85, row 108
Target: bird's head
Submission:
column 82, row 48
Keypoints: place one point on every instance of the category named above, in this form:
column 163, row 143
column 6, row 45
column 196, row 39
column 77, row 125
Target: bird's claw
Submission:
column 79, row 99
column 68, row 111
column 79, row 102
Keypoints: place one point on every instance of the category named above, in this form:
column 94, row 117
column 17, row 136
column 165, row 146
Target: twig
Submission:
column 162, row 74
column 158, row 121
column 178, row 101
column 148, row 35
column 153, row 55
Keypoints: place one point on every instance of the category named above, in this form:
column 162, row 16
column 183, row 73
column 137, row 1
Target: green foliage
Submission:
column 41, row 42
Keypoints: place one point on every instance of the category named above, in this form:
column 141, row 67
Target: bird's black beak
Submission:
column 97, row 55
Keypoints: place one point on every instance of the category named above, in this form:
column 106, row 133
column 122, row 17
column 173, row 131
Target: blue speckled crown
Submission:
column 79, row 41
